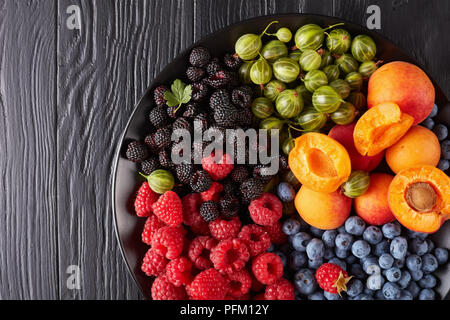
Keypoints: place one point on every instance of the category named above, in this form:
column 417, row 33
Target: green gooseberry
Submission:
column 261, row 71
column 347, row 63
column 295, row 55
column 289, row 103
column 355, row 80
column 310, row 60
column 273, row 88
column 357, row 184
column 315, row 79
column 290, row 178
column 244, row 72
column 273, row 50
column 305, row 93
column 311, row 120
column 364, row 48
column 342, row 87
column 262, row 107
column 160, row 181
column 345, row 114
column 367, row 68
column 272, row 184
column 327, row 59
column 339, row 41
column 358, row 99
column 326, row 100
column 272, row 123
column 311, row 36
column 287, row 145
column 286, row 69
column 332, row 71
column 249, row 45
column 284, row 34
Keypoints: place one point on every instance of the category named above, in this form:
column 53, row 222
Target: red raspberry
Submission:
column 230, row 255
column 239, row 283
column 243, row 297
column 267, row 268
column 219, row 170
column 154, row 263
column 151, row 226
column 256, row 238
column 201, row 229
column 169, row 209
column 266, row 210
column 199, row 251
column 191, row 209
column 276, row 234
column 169, row 241
column 208, row 285
column 145, row 198
column 281, row 290
column 332, row 278
column 259, row 296
column 256, row 285
column 163, row 289
column 213, row 193
column 222, row 229
column 178, row 271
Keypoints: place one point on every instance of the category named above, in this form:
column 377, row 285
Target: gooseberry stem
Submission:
column 264, row 32
column 146, row 177
column 291, row 126
column 334, row 25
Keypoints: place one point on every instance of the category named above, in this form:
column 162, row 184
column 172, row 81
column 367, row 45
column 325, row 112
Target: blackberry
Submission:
column 229, row 188
column 136, row 151
column 226, row 115
column 220, row 79
column 184, row 172
column 199, row 91
column 199, row 57
column 197, row 149
column 182, row 124
column 251, row 189
column 165, row 160
column 209, row 211
column 172, row 111
column 232, row 61
column 162, row 138
column 195, row 74
column 213, row 66
column 239, row 174
column 261, row 171
column 148, row 166
column 215, row 133
column 200, row 181
column 150, row 142
column 158, row 116
column 178, row 149
column 229, row 207
column 191, row 110
column 158, row 95
column 241, row 97
column 201, row 122
column 246, row 118
column 218, row 98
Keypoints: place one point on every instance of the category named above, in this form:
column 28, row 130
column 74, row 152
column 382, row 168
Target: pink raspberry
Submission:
column 169, row 241
column 256, row 238
column 219, row 170
column 266, row 210
column 230, row 255
column 222, row 229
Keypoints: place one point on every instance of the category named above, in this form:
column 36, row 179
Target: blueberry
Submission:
column 393, row 274
column 351, row 259
column 429, row 263
column 328, row 237
column 282, row 257
column 418, row 246
column 406, row 295
column 443, row 165
column 428, row 123
column 373, row 235
column 404, row 279
column 291, row 227
column 357, row 271
column 441, row 255
column 399, row 263
column 305, row 282
column 338, row 262
column 391, row 291
column 379, row 295
column 414, row 262
column 370, row 292
column 428, row 281
column 416, row 275
column 363, row 296
column 341, row 253
column 382, row 247
column 386, row 261
column 328, row 253
column 285, row 192
column 300, row 241
column 315, row 249
column 416, row 235
column 434, row 111
column 315, row 263
column 398, row 247
column 354, row 287
column 360, row 249
column 427, row 294
column 316, row 296
column 445, row 150
column 370, row 265
column 341, row 229
column 344, row 241
column 355, row 225
column 316, row 232
column 297, row 260
column 391, row 230
column 332, row 296
column 430, row 245
column 441, row 132
column 414, row 289
column 375, row 282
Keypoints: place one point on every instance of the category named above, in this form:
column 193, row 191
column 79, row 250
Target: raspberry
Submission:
column 200, row 181
column 256, row 285
column 145, row 198
column 191, row 209
column 266, row 210
column 267, row 268
column 209, row 211
column 202, row 229
column 251, row 189
column 136, row 151
column 223, row 229
column 213, row 193
column 154, row 263
column 158, row 95
column 208, row 285
column 158, row 116
column 229, row 207
column 230, row 255
column 152, row 225
column 199, row 251
column 178, row 271
column 281, row 290
column 219, row 170
column 163, row 289
column 256, row 238
column 239, row 283
column 332, row 278
column 259, row 296
column 199, row 57
column 276, row 234
column 169, row 209
column 169, row 241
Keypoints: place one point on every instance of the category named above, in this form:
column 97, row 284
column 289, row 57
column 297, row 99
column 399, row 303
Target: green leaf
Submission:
column 178, row 89
column 187, row 94
column 171, row 99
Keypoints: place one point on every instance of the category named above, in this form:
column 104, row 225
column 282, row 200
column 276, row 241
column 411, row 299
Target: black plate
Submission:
column 125, row 177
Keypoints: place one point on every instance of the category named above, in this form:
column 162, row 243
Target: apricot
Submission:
column 380, row 127
column 404, row 84
column 322, row 210
column 373, row 206
column 419, row 146
column 319, row 162
column 419, row 198
column 344, row 135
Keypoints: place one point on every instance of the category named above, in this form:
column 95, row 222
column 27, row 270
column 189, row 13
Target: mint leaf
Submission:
column 187, row 93
column 171, row 99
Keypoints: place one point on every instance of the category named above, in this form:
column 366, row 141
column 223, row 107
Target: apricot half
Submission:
column 419, row 198
column 319, row 162
column 380, row 127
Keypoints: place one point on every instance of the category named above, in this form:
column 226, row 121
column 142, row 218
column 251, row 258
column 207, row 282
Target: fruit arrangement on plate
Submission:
column 360, row 186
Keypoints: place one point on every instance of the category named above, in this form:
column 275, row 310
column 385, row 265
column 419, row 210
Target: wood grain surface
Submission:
column 66, row 95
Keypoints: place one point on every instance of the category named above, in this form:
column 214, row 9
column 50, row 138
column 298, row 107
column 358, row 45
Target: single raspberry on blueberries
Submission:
column 281, row 290
column 218, row 98
column 163, row 289
column 145, row 199
column 266, row 210
column 184, row 172
column 232, row 61
column 162, row 138
column 241, row 97
column 165, row 160
column 213, row 66
column 158, row 116
column 199, row 251
column 219, row 79
column 251, row 189
column 200, row 181
column 218, row 170
column 239, row 284
column 267, row 268
column 199, row 57
column 179, row 271
column 276, row 234
column 239, row 174
column 169, row 209
column 199, row 91
column 209, row 211
column 332, row 278
column 222, row 229
column 149, row 165
column 230, row 255
column 208, row 285
column 229, row 206
column 195, row 74
column 191, row 110
column 158, row 95
column 153, row 264
column 136, row 151
column 256, row 238
column 182, row 124
column 169, row 241
column 152, row 225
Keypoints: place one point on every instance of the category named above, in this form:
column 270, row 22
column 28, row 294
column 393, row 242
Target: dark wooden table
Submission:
column 66, row 95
